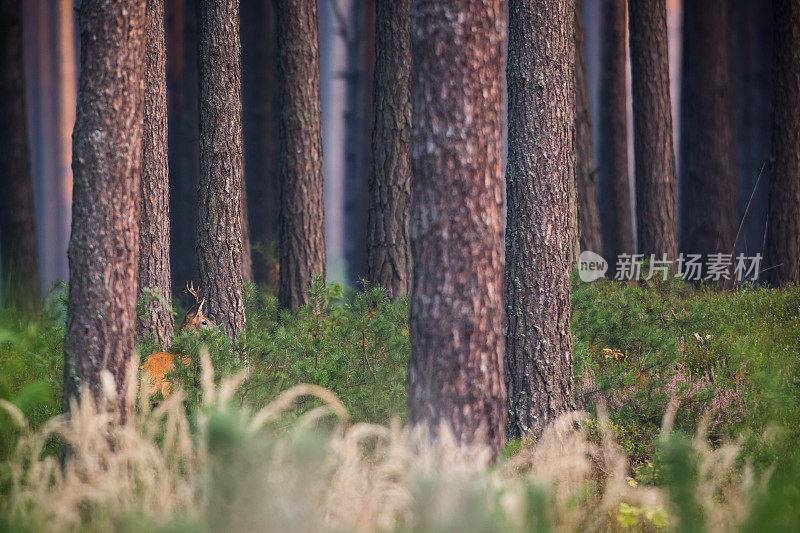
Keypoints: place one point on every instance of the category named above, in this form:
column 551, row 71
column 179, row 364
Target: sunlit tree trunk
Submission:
column 20, row 266
column 219, row 229
column 107, row 158
column 455, row 374
column 302, row 222
column 388, row 250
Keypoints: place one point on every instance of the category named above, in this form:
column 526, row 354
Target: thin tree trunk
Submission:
column 20, row 266
column 540, row 167
column 708, row 214
column 614, row 196
column 390, row 176
column 247, row 260
column 585, row 171
column 783, row 228
column 656, row 222
column 107, row 158
column 184, row 143
column 219, row 229
column 259, row 128
column 455, row 374
column 302, row 222
column 154, row 271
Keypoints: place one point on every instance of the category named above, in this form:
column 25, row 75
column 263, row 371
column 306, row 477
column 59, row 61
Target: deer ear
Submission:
column 200, row 309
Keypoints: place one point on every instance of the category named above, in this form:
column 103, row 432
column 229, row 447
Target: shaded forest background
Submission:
column 346, row 31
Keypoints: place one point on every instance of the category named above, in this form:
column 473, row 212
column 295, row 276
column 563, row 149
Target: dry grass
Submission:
column 241, row 471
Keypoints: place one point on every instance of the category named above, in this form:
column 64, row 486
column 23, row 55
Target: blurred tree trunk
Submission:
column 656, row 222
column 614, row 196
column 154, row 271
column 259, row 127
column 390, row 176
column 359, row 33
column 455, row 374
column 219, row 229
column 541, row 129
column 20, row 266
column 104, row 246
column 184, row 140
column 302, row 222
column 783, row 226
column 752, row 58
column 585, row 171
column 708, row 214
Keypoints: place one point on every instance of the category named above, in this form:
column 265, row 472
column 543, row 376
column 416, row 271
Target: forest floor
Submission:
column 692, row 418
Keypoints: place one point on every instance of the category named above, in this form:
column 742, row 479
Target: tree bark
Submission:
column 783, row 226
column 302, row 222
column 106, row 163
column 585, row 171
column 708, row 173
column 614, row 196
column 388, row 248
column 184, row 143
column 219, row 228
column 259, row 126
column 654, row 157
column 20, row 265
column 455, row 374
column 154, row 271
column 540, row 167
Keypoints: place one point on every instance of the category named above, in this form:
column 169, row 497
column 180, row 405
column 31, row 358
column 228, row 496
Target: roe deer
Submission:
column 158, row 365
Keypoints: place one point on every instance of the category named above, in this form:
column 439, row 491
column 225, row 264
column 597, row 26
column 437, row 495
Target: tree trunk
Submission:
column 258, row 127
column 614, row 196
column 540, row 167
column 390, row 176
column 219, row 229
column 360, row 37
column 708, row 173
column 106, row 164
column 455, row 374
column 783, row 226
column 656, row 222
column 20, row 266
column 585, row 172
column 302, row 222
column 184, row 144
column 154, row 217
column 752, row 57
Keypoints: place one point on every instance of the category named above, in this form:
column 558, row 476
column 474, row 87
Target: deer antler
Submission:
column 191, row 290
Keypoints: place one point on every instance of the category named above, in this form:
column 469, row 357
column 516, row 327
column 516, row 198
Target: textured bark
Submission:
column 154, row 272
column 455, row 374
column 614, row 196
column 259, row 127
column 783, row 227
column 17, row 234
column 106, row 164
column 654, row 157
column 184, row 143
column 388, row 249
column 219, row 229
column 585, row 171
column 541, row 128
column 752, row 59
column 708, row 214
column 360, row 37
column 302, row 222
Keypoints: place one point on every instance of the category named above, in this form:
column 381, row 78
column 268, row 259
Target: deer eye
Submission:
column 204, row 323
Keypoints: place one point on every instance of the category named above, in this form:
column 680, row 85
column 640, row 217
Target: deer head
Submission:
column 195, row 319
